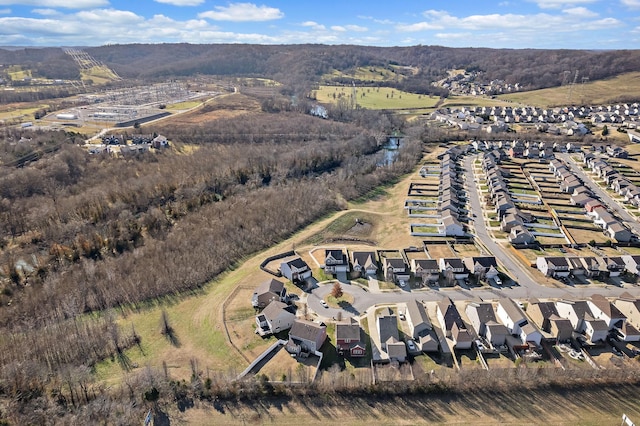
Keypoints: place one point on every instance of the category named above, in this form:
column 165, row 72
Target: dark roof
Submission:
column 363, row 258
column 395, row 263
column 557, row 261
column 426, row 263
column 484, row 311
column 454, row 262
column 450, row 314
column 547, row 309
column 306, row 330
column 349, row 329
column 298, row 263
column 388, row 326
column 336, row 254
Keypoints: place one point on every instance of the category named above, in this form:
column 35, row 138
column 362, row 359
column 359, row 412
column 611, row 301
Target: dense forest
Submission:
column 300, row 66
column 81, row 234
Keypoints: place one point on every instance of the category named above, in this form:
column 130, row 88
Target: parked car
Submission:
column 498, row 281
column 479, row 345
column 401, row 316
column 323, row 303
column 411, row 346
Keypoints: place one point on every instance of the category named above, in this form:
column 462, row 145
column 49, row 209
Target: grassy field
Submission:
column 376, row 97
column 592, row 93
column 366, row 74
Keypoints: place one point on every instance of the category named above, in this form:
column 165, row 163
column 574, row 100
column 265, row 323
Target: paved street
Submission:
column 527, row 286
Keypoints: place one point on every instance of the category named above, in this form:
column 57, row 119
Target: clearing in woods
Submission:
column 597, row 92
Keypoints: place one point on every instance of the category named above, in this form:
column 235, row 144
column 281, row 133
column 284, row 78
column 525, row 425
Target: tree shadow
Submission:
column 348, row 307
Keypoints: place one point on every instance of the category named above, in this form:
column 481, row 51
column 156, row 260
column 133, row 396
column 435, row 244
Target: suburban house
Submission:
column 453, row 265
column 546, row 317
column 629, row 333
column 364, row 263
column 553, row 266
column 575, row 266
column 274, row 319
column 451, row 227
column 335, row 261
column 395, row 270
column 426, row 269
column 520, row 235
column 417, row 319
column 603, row 309
column 484, row 321
column 267, row 292
column 516, row 321
column 296, row 270
column 348, row 342
column 452, row 325
column 631, row 263
column 387, row 324
column 592, row 267
column 629, row 306
column 618, row 232
column 483, row 267
column 614, row 265
column 582, row 319
column 306, row 337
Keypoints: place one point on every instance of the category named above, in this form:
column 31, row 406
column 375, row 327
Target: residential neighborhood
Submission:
column 562, row 219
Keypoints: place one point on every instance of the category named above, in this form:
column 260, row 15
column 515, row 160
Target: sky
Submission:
column 566, row 24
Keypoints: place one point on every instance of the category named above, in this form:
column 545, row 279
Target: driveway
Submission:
column 527, row 288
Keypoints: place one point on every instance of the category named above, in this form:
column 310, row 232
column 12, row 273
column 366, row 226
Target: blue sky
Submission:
column 581, row 24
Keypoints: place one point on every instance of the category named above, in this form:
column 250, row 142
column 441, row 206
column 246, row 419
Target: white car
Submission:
column 498, row 281
column 323, row 303
column 411, row 346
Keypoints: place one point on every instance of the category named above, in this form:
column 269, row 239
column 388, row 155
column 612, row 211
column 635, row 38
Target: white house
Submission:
column 553, row 266
column 511, row 316
column 274, row 319
column 606, row 311
column 296, row 270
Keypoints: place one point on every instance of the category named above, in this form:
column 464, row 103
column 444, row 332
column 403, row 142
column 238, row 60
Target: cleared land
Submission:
column 591, row 93
column 375, row 97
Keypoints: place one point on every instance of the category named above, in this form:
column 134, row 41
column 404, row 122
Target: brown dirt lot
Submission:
column 293, row 369
column 436, row 251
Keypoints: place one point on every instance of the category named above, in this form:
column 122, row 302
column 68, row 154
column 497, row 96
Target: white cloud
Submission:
column 243, row 12
column 5, row 11
column 75, row 4
column 455, row 36
column 181, row 2
column 560, row 4
column 552, row 24
column 110, row 16
column 46, row 12
column 356, row 28
column 314, row 25
column 633, row 4
column 580, row 12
